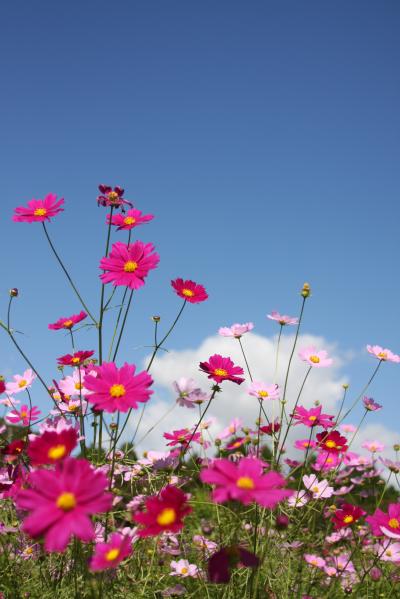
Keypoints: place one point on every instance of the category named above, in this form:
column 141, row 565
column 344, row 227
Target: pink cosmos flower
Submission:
column 204, row 544
column 314, row 560
column 189, row 394
column 24, row 415
column 52, row 446
column 327, row 461
column 60, row 502
column 230, row 430
column 182, row 437
column 346, row 515
column 244, row 481
column 39, row 210
column 118, row 388
column 316, row 359
column 348, row 428
column 383, row 354
column 111, row 197
column 370, row 404
column 74, row 384
column 73, row 406
column 164, row 512
column 129, row 220
column 388, row 553
column 110, row 554
column 282, row 319
column 263, row 390
column 189, row 290
column 69, row 322
column 76, row 359
column 183, row 569
column 304, row 444
column 21, row 382
column 386, row 524
column 332, row 442
column 312, row 417
column 373, row 446
column 222, row 369
column 319, row 489
column 129, row 265
column 236, row 330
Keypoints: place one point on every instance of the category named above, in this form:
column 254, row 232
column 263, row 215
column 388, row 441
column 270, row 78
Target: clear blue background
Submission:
column 263, row 135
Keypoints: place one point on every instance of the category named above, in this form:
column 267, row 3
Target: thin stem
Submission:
column 100, row 323
column 362, row 393
column 123, row 325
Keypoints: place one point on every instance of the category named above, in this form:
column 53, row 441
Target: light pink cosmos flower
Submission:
column 230, row 430
column 9, row 401
column 129, row 265
column 319, row 489
column 373, row 446
column 304, row 444
column 74, row 406
column 118, row 388
column 132, row 218
column 189, row 394
column 244, row 481
column 236, row 330
column 110, row 554
column 388, row 553
column 348, row 428
column 39, row 210
column 384, row 354
column 61, row 501
column 21, row 382
column 314, row 560
column 282, row 319
column 316, row 359
column 183, row 569
column 299, row 499
column 207, row 547
column 73, row 385
column 25, row 415
column 263, row 390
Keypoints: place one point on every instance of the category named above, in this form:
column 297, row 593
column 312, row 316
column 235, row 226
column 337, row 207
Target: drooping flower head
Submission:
column 271, row 429
column 312, row 417
column 386, row 524
column 129, row 265
column 189, row 290
column 332, row 442
column 129, row 220
column 316, row 359
column 68, row 322
column 109, row 555
column 223, row 561
column 370, row 404
column 182, row 437
column 21, row 382
column 263, row 390
column 373, row 446
column 75, row 359
column 346, row 515
column 61, row 501
column 25, row 415
column 283, row 319
column 383, row 354
column 189, row 394
column 117, row 388
column 236, row 330
column 222, row 369
column 39, row 210
column 164, row 512
column 51, row 446
column 111, row 197
column 244, row 481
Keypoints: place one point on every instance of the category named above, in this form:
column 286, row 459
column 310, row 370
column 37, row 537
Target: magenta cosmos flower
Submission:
column 312, row 417
column 189, row 291
column 24, row 415
column 182, row 437
column 386, row 524
column 111, row 197
column 222, row 369
column 128, row 265
column 39, row 210
column 236, row 330
column 164, row 512
column 68, row 322
column 52, row 446
column 317, row 359
column 60, row 502
column 117, row 388
column 383, row 354
column 245, row 482
column 282, row 319
column 110, row 554
column 129, row 220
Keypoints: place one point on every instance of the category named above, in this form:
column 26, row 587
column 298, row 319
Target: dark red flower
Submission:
column 164, row 512
column 223, row 561
column 332, row 442
column 346, row 515
column 2, row 386
column 76, row 359
column 111, row 197
column 52, row 446
column 269, row 429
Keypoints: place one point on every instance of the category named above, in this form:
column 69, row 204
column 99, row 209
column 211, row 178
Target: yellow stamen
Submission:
column 263, row 393
column 312, row 418
column 66, row 501
column 113, row 196
column 78, row 386
column 382, row 355
column 23, row 414
column 184, row 571
column 188, row 292
column 330, row 444
column 130, row 266
column 166, row 517
column 40, row 212
column 68, row 324
column 245, row 482
column 22, row 383
column 129, row 220
column 315, row 489
column 220, row 372
column 314, row 359
column 117, row 391
column 112, row 554
column 75, row 360
column 57, row 452
column 348, row 519
column 394, row 523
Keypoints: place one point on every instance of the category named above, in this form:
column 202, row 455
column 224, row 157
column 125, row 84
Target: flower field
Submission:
column 281, row 507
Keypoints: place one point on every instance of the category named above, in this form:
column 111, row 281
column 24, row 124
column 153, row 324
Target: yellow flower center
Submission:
column 72, row 407
column 312, row 418
column 263, row 394
column 75, row 360
column 166, row 516
column 245, row 482
column 330, row 444
column 329, row 461
column 29, row 550
column 382, row 355
column 112, row 196
column 68, row 324
column 23, row 414
column 66, row 501
column 237, row 444
column 188, row 292
column 78, row 386
column 315, row 489
column 22, row 383
column 389, row 553
column 348, row 519
column 184, row 571
column 394, row 523
column 314, row 359
column 40, row 212
column 130, row 266
column 129, row 220
column 220, row 372
column 57, row 452
column 112, row 554
column 117, row 391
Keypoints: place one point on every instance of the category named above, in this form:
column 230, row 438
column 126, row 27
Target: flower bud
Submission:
column 281, row 522
column 396, row 447
column 306, row 290
column 345, row 386
column 156, row 318
column 13, row 292
column 375, row 574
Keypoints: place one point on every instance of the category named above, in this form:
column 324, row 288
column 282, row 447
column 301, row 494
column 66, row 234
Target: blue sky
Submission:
column 264, row 136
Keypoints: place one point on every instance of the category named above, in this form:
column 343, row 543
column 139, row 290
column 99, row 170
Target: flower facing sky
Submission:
column 282, row 319
column 189, row 290
column 384, row 354
column 110, row 554
column 68, row 322
column 39, row 210
column 111, row 196
column 61, row 501
column 245, row 482
column 25, row 415
column 75, row 359
column 312, row 417
column 332, row 442
column 263, row 390
column 316, row 359
column 182, row 437
column 236, row 330
column 20, row 382
column 129, row 220
column 164, row 512
column 370, row 404
column 183, row 569
column 222, row 369
column 117, row 388
column 129, row 265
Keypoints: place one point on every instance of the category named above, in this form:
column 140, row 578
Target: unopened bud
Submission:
column 306, row 290
column 156, row 318
column 375, row 574
column 396, row 447
column 218, row 442
column 13, row 292
column 345, row 386
column 113, row 426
